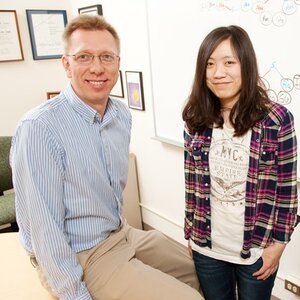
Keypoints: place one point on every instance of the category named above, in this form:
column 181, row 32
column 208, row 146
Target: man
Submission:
column 70, row 161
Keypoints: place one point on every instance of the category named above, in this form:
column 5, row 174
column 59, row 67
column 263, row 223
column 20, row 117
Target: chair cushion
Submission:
column 7, row 209
column 5, row 169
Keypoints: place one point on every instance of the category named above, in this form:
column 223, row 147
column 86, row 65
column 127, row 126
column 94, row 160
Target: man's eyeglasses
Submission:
column 86, row 58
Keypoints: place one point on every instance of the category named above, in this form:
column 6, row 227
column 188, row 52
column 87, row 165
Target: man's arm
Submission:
column 38, row 173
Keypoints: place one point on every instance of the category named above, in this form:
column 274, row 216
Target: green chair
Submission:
column 7, row 200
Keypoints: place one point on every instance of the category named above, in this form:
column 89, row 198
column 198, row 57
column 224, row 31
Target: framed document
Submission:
column 52, row 94
column 10, row 41
column 46, row 28
column 117, row 90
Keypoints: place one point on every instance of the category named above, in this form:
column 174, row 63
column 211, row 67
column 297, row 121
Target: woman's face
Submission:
column 223, row 74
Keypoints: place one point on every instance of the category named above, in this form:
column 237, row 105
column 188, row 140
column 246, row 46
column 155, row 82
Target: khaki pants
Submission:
column 139, row 265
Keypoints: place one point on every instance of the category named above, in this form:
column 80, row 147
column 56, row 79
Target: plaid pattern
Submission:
column 271, row 188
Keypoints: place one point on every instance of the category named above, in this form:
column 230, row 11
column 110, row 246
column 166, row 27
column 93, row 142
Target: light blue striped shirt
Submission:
column 69, row 170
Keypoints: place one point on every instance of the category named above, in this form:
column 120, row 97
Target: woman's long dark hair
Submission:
column 203, row 108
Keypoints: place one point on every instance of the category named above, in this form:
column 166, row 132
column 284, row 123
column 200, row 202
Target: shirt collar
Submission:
column 87, row 112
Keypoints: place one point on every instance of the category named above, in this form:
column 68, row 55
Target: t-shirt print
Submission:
column 229, row 159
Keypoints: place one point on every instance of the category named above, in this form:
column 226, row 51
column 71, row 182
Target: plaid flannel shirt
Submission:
column 271, row 188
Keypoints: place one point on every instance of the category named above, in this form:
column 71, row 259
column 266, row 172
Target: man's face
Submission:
column 93, row 81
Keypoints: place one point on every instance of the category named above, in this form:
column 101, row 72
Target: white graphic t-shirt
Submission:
column 228, row 163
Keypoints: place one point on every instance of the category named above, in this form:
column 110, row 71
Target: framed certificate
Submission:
column 10, row 41
column 46, row 28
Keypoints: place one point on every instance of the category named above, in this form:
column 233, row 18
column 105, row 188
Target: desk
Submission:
column 18, row 279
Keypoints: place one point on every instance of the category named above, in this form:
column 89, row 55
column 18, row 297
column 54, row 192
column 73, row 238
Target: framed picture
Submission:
column 45, row 29
column 135, row 91
column 10, row 41
column 117, row 90
column 52, row 94
column 91, row 10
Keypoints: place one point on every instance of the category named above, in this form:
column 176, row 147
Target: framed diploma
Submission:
column 46, row 28
column 10, row 41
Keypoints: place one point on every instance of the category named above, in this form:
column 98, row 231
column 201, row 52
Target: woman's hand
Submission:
column 270, row 256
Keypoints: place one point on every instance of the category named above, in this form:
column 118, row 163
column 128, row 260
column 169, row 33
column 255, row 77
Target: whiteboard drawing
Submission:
column 269, row 11
column 286, row 85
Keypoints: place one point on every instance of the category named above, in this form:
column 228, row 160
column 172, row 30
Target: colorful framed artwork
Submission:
column 117, row 90
column 46, row 28
column 91, row 10
column 134, row 82
column 10, row 40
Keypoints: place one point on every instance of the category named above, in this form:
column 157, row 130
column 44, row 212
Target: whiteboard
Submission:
column 176, row 29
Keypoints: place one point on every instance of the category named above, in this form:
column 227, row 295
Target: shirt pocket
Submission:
column 268, row 156
column 200, row 155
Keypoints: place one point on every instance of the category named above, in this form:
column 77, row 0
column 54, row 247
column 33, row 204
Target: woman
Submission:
column 240, row 171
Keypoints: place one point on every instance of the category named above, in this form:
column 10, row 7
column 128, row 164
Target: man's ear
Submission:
column 66, row 65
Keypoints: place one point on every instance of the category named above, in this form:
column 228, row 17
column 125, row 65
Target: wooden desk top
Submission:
column 18, row 279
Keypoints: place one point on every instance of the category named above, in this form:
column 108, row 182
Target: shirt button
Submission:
column 206, row 184
column 205, row 153
column 257, row 140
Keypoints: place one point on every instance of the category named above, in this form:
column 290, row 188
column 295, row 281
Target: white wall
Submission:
column 24, row 84
column 160, row 166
